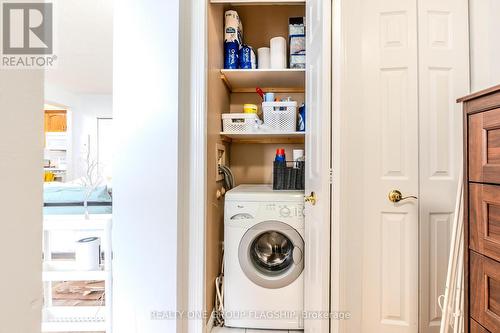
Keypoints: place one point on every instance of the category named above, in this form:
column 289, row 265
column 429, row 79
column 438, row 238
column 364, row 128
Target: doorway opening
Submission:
column 78, row 198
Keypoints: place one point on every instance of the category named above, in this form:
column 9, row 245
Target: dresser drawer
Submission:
column 484, row 146
column 476, row 328
column 485, row 291
column 484, row 219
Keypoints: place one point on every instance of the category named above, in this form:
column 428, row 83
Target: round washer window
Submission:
column 272, row 252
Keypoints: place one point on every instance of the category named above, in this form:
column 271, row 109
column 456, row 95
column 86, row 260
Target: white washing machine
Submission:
column 263, row 258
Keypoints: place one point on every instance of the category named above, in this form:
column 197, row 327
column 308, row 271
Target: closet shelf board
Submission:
column 269, row 80
column 277, row 137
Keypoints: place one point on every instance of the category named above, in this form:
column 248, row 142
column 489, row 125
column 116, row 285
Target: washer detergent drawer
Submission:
column 240, row 211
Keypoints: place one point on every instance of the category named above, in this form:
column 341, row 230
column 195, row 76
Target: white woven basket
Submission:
column 239, row 122
column 280, row 116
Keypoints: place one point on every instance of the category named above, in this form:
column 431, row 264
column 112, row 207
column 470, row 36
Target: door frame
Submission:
column 192, row 168
column 338, row 60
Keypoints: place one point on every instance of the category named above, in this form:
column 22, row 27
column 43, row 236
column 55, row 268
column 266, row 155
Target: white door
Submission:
column 443, row 76
column 412, row 72
column 317, row 223
column 390, row 268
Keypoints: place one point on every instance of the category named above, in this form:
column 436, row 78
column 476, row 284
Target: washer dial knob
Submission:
column 285, row 212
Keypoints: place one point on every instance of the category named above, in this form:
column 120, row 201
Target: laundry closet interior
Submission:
column 250, row 156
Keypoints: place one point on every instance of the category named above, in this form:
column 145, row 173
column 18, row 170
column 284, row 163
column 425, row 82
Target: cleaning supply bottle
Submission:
column 280, row 155
column 298, row 158
column 301, row 124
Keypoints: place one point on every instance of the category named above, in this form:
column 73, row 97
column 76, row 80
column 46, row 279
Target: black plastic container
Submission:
column 288, row 175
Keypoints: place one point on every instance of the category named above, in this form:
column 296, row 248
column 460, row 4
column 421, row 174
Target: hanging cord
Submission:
column 219, row 281
column 219, row 296
column 228, row 177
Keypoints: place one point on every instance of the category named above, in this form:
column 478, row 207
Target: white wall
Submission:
column 484, row 43
column 84, row 110
column 85, row 124
column 146, row 51
column 21, row 170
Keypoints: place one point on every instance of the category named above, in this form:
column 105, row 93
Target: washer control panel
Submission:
column 239, row 212
column 284, row 209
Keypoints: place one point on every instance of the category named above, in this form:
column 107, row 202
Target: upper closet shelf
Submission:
column 264, row 137
column 269, row 80
column 260, row 2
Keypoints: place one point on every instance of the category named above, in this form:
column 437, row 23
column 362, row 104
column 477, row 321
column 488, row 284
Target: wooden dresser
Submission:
column 482, row 210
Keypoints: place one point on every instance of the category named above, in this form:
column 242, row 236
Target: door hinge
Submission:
column 330, row 176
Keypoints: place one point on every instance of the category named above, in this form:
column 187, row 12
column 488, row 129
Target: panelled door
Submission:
column 414, row 66
column 317, row 185
column 443, row 76
column 390, row 269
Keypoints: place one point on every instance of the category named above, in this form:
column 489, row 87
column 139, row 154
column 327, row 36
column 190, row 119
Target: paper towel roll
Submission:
column 233, row 38
column 88, row 254
column 264, row 58
column 233, row 29
column 278, row 53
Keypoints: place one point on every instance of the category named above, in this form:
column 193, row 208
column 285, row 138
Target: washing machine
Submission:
column 263, row 258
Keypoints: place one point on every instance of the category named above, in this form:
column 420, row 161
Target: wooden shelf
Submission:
column 276, row 137
column 260, row 2
column 269, row 80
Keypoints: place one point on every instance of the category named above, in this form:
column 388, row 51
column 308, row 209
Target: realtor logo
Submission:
column 27, row 29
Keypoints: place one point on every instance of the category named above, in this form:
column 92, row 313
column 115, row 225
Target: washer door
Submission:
column 271, row 254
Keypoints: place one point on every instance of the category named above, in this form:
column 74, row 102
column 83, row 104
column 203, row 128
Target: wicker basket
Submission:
column 239, row 122
column 280, row 116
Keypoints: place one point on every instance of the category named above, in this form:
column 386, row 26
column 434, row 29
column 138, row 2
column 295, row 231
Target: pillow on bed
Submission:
column 67, row 193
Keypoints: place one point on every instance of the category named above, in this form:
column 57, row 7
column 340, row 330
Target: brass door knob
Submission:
column 310, row 198
column 397, row 196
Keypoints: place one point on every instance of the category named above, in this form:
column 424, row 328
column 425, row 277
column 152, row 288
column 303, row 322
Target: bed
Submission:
column 68, row 199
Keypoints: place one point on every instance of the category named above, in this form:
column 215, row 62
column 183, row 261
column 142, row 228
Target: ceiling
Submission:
column 83, row 43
